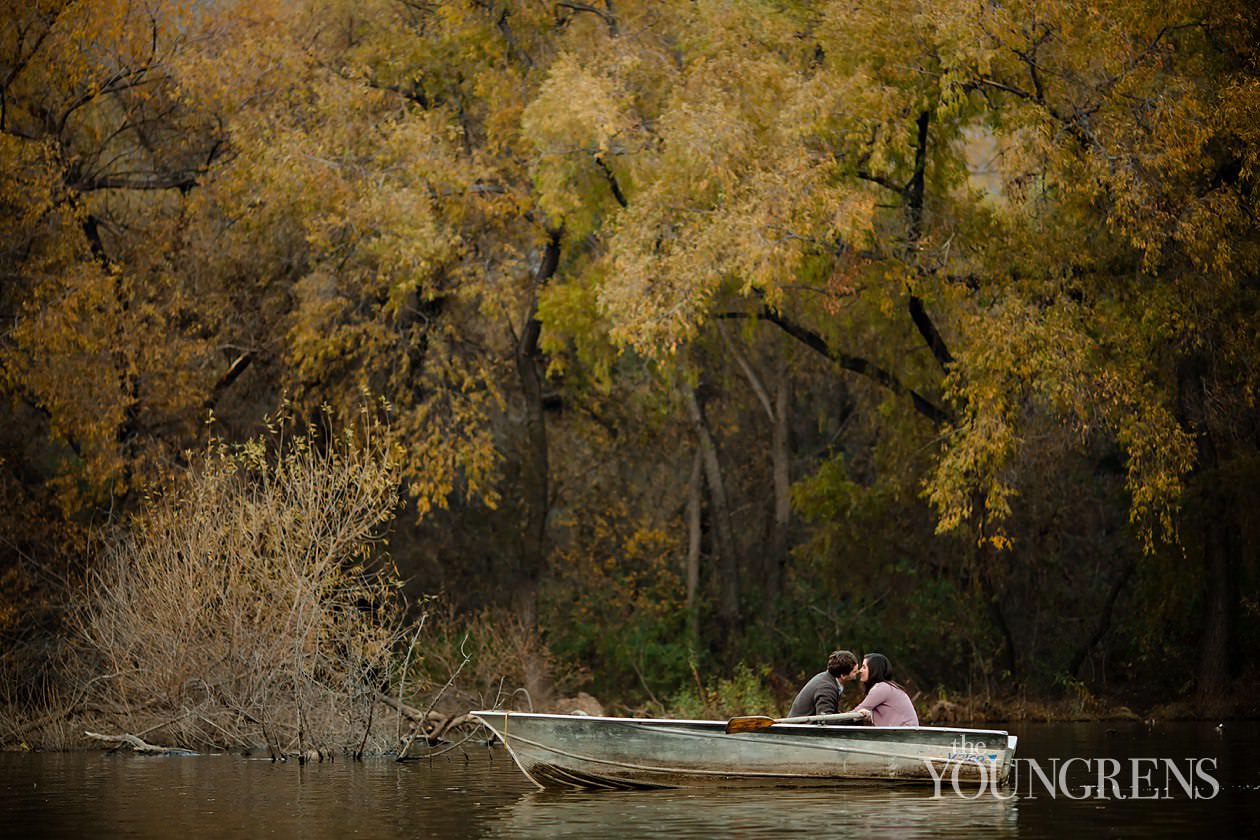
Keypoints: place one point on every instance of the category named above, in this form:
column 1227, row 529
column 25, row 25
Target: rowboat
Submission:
column 588, row 752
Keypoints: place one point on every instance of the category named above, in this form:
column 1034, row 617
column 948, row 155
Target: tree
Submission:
column 97, row 148
column 985, row 250
column 1069, row 284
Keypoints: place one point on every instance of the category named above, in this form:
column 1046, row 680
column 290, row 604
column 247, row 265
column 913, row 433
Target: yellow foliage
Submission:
column 361, row 193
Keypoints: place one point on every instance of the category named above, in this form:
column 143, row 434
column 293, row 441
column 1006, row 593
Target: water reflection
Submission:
column 94, row 794
column 847, row 811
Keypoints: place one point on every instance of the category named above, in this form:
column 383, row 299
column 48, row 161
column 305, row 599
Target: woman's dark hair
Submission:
column 840, row 662
column 878, row 670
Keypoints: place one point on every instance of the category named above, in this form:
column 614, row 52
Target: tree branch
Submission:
column 609, row 19
column 412, row 93
column 233, row 373
column 182, row 181
column 930, row 334
column 1104, row 619
column 1072, row 125
column 856, row 364
column 612, row 180
column 881, row 180
column 21, row 61
column 763, row 396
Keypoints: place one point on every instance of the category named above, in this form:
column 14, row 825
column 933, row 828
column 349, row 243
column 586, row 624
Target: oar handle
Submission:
column 756, row 723
column 819, row 718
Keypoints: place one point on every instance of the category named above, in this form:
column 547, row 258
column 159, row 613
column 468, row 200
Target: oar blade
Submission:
column 751, row 723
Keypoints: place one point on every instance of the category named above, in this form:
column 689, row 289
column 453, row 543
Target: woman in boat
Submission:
column 886, row 703
column 821, row 695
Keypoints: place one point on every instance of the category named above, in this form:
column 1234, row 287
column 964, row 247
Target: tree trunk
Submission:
column 1221, row 541
column 1218, row 545
column 692, row 571
column 1008, row 657
column 988, row 570
column 728, row 562
column 535, row 479
column 1104, row 620
column 781, row 461
column 774, row 558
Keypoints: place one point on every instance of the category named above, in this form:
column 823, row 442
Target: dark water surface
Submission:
column 95, row 794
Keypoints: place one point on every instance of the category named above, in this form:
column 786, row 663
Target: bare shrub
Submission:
column 252, row 604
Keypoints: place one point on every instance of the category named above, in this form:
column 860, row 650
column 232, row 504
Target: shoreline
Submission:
column 26, row 730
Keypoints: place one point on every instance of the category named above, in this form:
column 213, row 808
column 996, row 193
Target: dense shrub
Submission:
column 250, row 603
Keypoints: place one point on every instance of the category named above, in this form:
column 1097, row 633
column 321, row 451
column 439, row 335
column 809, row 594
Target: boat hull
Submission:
column 578, row 751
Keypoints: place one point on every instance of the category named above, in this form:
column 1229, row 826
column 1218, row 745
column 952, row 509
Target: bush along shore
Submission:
column 438, row 721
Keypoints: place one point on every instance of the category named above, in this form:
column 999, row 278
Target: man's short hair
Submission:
column 841, row 662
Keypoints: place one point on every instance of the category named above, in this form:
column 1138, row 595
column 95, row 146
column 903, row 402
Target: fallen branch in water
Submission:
column 138, row 744
column 433, row 723
column 436, row 739
column 404, row 754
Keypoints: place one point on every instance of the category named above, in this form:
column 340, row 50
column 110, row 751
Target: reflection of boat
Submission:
column 577, row 751
column 856, row 811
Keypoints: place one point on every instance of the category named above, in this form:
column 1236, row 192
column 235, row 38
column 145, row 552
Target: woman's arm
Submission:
column 873, row 699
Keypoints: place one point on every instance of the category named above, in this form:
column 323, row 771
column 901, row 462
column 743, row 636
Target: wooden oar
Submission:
column 756, row 723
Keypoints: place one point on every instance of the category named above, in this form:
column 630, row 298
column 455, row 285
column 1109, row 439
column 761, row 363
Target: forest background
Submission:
column 678, row 342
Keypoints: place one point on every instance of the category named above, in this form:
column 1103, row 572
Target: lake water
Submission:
column 483, row 795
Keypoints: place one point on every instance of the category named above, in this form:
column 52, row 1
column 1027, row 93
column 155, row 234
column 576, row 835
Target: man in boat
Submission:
column 821, row 695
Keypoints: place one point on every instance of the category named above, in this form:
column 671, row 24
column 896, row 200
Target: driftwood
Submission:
column 410, row 712
column 438, row 745
column 432, row 725
column 138, row 744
